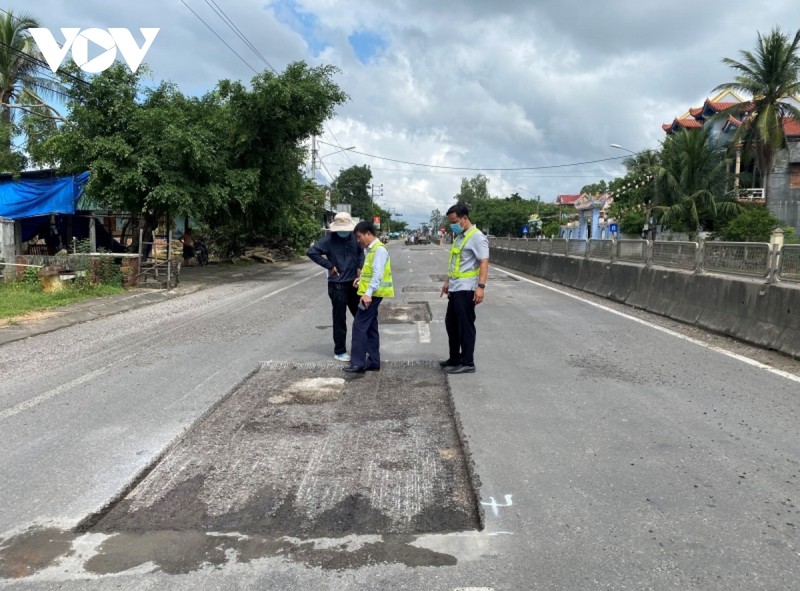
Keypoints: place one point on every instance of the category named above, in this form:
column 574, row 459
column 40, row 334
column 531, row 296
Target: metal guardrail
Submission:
column 601, row 249
column 745, row 258
column 558, row 246
column 754, row 259
column 789, row 268
column 682, row 255
column 634, row 251
column 577, row 248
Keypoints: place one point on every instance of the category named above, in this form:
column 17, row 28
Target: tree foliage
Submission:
column 23, row 81
column 473, row 190
column 690, row 182
column 770, row 74
column 351, row 187
column 230, row 159
column 755, row 223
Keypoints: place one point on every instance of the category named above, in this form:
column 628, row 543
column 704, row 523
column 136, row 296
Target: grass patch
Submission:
column 19, row 299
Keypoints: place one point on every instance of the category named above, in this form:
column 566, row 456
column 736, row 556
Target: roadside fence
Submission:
column 772, row 262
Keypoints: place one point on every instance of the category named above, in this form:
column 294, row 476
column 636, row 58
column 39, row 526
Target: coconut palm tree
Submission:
column 691, row 182
column 23, row 75
column 769, row 75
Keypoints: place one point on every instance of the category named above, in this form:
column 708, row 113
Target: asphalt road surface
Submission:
column 608, row 449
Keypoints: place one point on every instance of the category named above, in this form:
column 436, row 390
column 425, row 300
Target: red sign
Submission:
column 376, row 220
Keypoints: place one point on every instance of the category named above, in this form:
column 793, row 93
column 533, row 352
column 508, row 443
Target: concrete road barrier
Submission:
column 747, row 309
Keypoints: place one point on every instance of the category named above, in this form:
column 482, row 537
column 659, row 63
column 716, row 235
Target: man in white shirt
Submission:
column 374, row 284
column 468, row 269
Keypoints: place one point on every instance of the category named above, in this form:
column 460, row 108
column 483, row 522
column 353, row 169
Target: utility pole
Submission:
column 373, row 188
column 313, row 158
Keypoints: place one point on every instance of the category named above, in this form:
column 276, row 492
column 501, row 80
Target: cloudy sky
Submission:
column 464, row 85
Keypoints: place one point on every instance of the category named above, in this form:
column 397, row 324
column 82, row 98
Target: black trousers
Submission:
column 343, row 297
column 366, row 346
column 460, row 324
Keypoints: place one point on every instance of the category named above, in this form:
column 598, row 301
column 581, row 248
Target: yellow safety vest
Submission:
column 454, row 271
column 386, row 288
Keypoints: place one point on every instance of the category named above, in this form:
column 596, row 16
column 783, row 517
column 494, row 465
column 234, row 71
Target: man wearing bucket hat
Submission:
column 339, row 253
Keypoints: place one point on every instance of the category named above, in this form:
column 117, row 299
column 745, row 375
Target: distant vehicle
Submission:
column 423, row 239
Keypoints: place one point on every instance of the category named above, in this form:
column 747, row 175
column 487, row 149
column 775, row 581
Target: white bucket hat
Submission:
column 342, row 222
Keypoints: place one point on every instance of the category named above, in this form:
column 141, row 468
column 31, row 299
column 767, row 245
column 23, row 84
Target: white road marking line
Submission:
column 36, row 400
column 742, row 358
column 45, row 396
column 424, row 331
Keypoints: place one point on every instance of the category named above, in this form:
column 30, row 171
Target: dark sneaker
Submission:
column 447, row 363
column 460, row 369
column 353, row 369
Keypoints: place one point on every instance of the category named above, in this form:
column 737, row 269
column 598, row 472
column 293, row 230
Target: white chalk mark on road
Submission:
column 495, row 505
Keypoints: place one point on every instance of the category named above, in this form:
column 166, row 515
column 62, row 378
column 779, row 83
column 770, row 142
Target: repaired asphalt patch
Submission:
column 307, row 451
column 302, row 462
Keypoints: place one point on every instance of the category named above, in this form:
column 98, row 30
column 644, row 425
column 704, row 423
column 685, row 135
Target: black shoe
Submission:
column 460, row 369
column 373, row 368
column 353, row 369
column 447, row 363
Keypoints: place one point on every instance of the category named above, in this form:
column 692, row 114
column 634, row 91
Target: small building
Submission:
column 782, row 194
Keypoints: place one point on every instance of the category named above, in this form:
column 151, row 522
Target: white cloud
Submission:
column 469, row 83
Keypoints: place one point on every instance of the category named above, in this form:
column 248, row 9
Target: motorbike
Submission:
column 200, row 253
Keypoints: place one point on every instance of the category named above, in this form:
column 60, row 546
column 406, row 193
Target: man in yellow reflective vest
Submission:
column 374, row 284
column 467, row 271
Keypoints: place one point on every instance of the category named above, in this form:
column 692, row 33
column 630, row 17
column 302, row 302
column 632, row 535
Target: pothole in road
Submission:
column 296, row 455
column 407, row 313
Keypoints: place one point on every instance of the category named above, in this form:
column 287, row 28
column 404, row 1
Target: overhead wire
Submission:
column 210, row 28
column 232, row 25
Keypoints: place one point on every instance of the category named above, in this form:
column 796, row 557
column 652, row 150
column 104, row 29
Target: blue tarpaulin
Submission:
column 32, row 197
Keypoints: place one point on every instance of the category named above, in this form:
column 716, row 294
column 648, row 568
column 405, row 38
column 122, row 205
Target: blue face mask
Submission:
column 343, row 234
column 456, row 228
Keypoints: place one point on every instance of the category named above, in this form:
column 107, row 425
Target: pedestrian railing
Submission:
column 558, row 246
column 789, row 267
column 741, row 258
column 633, row 251
column 754, row 259
column 576, row 248
column 601, row 249
column 682, row 255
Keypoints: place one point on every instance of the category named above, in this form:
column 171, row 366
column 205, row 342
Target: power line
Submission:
column 229, row 21
column 481, row 169
column 210, row 28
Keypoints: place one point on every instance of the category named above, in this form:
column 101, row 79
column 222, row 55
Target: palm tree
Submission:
column 769, row 75
column 23, row 75
column 689, row 180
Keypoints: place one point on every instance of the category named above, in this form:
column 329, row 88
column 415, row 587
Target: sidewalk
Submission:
column 192, row 279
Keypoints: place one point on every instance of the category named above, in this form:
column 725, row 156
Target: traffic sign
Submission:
column 613, row 228
column 524, row 229
column 376, row 220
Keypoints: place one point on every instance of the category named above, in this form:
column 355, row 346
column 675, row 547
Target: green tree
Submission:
column 503, row 217
column 270, row 122
column 473, row 190
column 770, row 75
column 437, row 219
column 351, row 187
column 22, row 80
column 754, row 224
column 690, row 182
column 153, row 152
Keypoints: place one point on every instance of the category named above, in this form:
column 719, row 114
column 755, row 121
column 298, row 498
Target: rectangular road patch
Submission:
column 308, row 451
